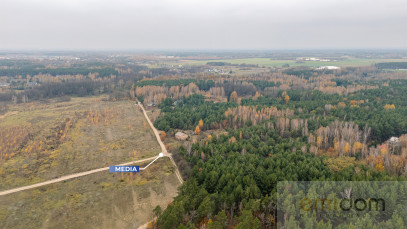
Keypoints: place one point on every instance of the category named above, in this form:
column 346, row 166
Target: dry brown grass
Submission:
column 44, row 141
column 100, row 200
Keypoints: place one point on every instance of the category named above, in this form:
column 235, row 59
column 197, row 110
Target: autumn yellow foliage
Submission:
column 341, row 105
column 379, row 164
column 200, row 124
column 286, row 98
column 389, row 107
column 234, row 97
column 209, row 137
column 337, row 164
column 232, row 140
column 357, row 147
column 346, row 148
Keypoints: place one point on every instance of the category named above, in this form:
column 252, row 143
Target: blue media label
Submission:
column 124, row 169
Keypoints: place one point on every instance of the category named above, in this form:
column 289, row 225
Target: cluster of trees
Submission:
column 262, row 84
column 392, row 65
column 51, row 90
column 11, row 139
column 340, row 139
column 105, row 115
column 382, row 109
column 385, row 123
column 344, row 90
column 389, row 156
column 188, row 111
column 242, row 88
column 239, row 116
column 217, row 92
column 151, row 92
column 334, row 138
column 233, row 183
column 337, row 81
column 156, row 94
column 16, row 140
column 305, row 72
column 102, row 72
column 202, row 84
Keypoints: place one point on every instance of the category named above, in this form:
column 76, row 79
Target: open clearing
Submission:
column 49, row 140
column 44, row 141
column 100, row 200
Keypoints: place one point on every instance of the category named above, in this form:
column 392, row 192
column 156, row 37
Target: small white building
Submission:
column 181, row 136
column 394, row 140
column 328, row 68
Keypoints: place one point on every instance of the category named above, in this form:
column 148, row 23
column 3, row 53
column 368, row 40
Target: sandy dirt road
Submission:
column 163, row 149
column 68, row 177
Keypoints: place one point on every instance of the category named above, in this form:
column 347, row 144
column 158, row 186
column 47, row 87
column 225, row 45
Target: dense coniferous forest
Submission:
column 188, row 111
column 232, row 178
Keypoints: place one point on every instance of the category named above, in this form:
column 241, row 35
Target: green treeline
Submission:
column 103, row 72
column 392, row 65
column 79, row 88
column 188, row 111
column 204, row 85
column 261, row 84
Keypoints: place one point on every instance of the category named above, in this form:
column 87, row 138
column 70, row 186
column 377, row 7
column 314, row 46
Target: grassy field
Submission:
column 41, row 141
column 100, row 200
column 267, row 62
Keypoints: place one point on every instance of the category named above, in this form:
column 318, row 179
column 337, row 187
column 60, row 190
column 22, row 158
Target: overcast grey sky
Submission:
column 202, row 24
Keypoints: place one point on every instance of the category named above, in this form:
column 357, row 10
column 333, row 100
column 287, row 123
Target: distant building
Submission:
column 181, row 136
column 394, row 140
column 328, row 67
column 4, row 84
column 394, row 144
column 311, row 59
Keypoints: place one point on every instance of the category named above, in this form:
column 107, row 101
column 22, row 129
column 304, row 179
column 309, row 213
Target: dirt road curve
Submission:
column 163, row 149
column 64, row 178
